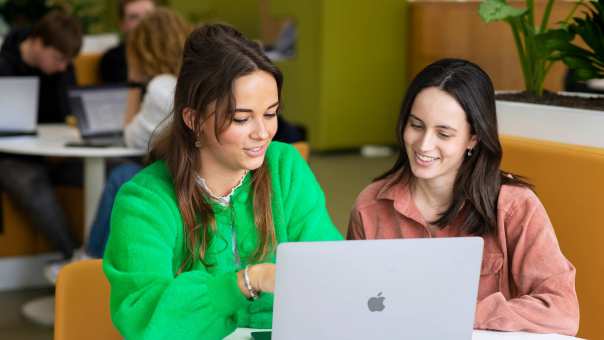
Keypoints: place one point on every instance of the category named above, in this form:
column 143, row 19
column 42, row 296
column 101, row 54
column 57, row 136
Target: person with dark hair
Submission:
column 46, row 52
column 113, row 65
column 192, row 244
column 447, row 182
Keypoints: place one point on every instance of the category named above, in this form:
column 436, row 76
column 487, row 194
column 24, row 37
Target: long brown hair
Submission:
column 155, row 45
column 479, row 178
column 214, row 57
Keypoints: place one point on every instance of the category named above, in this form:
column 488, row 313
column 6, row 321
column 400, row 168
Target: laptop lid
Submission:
column 99, row 110
column 19, row 109
column 377, row 289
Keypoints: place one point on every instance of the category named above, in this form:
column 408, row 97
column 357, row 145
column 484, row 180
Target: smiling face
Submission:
column 437, row 136
column 242, row 146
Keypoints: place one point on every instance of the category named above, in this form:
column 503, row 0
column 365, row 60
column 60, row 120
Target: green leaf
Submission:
column 497, row 10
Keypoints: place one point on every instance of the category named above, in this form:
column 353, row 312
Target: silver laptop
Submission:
column 100, row 113
column 19, row 106
column 378, row 289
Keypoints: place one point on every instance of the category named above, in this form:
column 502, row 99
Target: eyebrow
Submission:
column 446, row 127
column 241, row 109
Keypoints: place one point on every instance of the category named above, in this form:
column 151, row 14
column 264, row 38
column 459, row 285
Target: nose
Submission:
column 426, row 141
column 260, row 130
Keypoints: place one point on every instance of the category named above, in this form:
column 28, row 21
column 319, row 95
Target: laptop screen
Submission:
column 99, row 110
column 18, row 111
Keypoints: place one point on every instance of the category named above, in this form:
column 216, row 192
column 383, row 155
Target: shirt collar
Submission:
column 398, row 191
column 221, row 200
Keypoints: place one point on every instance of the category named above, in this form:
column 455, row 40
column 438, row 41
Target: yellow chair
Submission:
column 569, row 180
column 303, row 148
column 82, row 303
column 87, row 69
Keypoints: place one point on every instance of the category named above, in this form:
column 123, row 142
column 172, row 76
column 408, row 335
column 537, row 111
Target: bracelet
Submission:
column 248, row 285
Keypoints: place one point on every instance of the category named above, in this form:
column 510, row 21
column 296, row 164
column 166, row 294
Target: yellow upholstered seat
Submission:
column 569, row 181
column 82, row 303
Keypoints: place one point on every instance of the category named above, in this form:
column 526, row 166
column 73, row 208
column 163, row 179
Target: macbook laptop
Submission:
column 100, row 113
column 377, row 289
column 18, row 112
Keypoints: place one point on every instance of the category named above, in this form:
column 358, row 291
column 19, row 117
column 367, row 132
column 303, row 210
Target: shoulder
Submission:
column 154, row 180
column 283, row 155
column 372, row 194
column 512, row 198
column 160, row 89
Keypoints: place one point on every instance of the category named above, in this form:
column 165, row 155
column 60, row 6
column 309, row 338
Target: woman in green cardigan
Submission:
column 192, row 246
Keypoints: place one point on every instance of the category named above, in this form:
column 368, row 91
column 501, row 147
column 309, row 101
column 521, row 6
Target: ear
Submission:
column 188, row 116
column 473, row 141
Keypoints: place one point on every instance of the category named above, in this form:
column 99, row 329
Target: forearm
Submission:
column 133, row 105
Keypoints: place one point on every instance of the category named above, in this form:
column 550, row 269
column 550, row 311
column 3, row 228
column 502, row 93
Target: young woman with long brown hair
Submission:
column 193, row 236
column 447, row 182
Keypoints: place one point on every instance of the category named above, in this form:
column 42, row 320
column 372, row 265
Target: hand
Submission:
column 262, row 278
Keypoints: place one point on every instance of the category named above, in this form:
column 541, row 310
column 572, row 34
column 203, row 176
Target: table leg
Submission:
column 94, row 181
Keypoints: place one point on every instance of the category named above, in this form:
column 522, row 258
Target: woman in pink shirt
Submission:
column 447, row 182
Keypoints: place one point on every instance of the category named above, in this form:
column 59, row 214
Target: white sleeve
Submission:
column 156, row 107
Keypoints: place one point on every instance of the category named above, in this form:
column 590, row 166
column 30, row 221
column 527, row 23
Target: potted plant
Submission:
column 539, row 47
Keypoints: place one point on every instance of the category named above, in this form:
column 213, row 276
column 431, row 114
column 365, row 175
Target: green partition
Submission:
column 347, row 79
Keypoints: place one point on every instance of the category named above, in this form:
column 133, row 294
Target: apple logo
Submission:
column 376, row 303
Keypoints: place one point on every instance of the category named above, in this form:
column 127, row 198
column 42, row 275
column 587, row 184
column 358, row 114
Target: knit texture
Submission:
column 147, row 246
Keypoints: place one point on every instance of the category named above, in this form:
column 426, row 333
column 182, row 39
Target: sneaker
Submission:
column 52, row 269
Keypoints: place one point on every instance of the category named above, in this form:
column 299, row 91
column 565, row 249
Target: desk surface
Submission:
column 244, row 334
column 51, row 140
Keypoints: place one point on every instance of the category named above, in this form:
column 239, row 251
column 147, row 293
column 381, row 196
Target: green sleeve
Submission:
column 303, row 200
column 148, row 301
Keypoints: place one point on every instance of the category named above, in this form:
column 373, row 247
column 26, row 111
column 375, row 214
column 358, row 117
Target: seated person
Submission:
column 192, row 245
column 447, row 182
column 154, row 54
column 45, row 51
column 113, row 67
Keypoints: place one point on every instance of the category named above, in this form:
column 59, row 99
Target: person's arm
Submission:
column 305, row 210
column 133, row 104
column 148, row 300
column 156, row 106
column 355, row 226
column 544, row 280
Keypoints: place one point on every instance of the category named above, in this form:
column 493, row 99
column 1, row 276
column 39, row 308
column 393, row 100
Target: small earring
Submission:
column 469, row 153
column 198, row 143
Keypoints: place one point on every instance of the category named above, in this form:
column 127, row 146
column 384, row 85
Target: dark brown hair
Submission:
column 59, row 30
column 479, row 178
column 214, row 57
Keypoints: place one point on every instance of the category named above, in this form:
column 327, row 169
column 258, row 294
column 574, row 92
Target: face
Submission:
column 48, row 59
column 134, row 12
column 437, row 136
column 242, row 146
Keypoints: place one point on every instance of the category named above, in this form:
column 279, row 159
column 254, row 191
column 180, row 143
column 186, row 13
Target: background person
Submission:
column 189, row 229
column 45, row 51
column 447, row 182
column 113, row 67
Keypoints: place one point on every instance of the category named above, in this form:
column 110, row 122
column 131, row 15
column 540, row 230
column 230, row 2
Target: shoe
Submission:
column 52, row 269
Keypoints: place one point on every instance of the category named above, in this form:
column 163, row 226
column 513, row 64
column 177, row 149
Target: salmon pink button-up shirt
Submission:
column 526, row 284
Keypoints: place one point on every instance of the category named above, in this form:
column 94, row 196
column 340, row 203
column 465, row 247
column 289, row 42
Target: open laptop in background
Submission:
column 377, row 289
column 19, row 105
column 100, row 114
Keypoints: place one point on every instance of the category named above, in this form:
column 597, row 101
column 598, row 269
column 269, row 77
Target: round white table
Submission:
column 51, row 141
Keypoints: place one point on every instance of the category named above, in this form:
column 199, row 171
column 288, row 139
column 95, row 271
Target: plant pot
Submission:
column 551, row 123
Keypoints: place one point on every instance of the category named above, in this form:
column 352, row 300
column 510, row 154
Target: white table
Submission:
column 51, row 140
column 244, row 334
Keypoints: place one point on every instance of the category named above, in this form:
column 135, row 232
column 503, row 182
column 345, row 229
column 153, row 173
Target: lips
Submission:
column 257, row 151
column 424, row 160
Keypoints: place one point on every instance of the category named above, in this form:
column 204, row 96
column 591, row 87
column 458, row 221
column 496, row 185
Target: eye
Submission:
column 444, row 135
column 240, row 120
column 270, row 115
column 415, row 125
